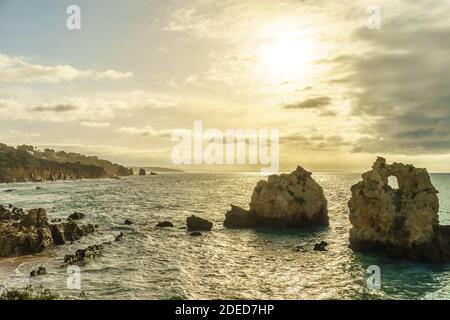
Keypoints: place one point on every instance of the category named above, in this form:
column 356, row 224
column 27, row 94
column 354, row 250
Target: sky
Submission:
column 340, row 93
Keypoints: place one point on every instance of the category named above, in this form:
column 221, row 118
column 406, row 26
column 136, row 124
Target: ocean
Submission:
column 168, row 263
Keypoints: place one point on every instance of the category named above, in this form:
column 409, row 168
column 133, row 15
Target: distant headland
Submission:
column 26, row 163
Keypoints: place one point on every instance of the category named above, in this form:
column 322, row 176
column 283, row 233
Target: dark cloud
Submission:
column 313, row 103
column 56, row 108
column 315, row 142
column 400, row 85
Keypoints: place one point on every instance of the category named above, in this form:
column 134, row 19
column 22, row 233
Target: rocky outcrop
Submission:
column 142, row 172
column 22, row 234
column 165, row 224
column 81, row 255
column 402, row 222
column 13, row 215
column 286, row 200
column 194, row 223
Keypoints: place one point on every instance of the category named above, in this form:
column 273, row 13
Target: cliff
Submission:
column 26, row 163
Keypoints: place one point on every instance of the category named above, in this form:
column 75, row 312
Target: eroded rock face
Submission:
column 404, row 221
column 286, row 200
column 22, row 234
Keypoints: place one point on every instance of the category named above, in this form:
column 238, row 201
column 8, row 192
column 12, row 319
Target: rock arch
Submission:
column 404, row 221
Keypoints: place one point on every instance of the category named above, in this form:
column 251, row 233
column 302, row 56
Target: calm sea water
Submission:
column 153, row 263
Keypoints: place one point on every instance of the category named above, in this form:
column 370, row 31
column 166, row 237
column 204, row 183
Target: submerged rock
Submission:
column 286, row 200
column 165, row 224
column 194, row 223
column 39, row 272
column 402, row 222
column 321, row 246
column 82, row 254
column 76, row 216
column 195, row 234
column 128, row 222
column 119, row 237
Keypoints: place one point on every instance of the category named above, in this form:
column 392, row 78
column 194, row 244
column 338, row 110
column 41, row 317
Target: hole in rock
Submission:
column 393, row 182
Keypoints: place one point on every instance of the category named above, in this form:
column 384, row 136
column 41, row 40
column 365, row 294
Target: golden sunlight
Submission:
column 287, row 54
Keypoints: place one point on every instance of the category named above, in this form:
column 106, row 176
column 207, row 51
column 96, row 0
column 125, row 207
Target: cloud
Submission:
column 317, row 142
column 56, row 108
column 397, row 82
column 312, row 103
column 95, row 110
column 93, row 124
column 17, row 69
column 147, row 131
column 8, row 104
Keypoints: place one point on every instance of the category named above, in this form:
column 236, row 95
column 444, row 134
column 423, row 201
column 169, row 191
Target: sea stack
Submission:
column 142, row 172
column 402, row 222
column 286, row 200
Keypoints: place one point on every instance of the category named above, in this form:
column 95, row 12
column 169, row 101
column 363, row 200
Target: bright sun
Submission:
column 285, row 55
column 284, row 59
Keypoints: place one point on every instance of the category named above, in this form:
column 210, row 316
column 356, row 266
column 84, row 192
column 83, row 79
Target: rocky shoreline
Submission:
column 402, row 223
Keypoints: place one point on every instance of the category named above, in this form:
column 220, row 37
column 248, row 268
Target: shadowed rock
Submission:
column 142, row 172
column 286, row 200
column 401, row 222
column 22, row 234
column 76, row 216
column 38, row 272
column 82, row 255
column 321, row 246
column 194, row 223
column 165, row 224
column 119, row 237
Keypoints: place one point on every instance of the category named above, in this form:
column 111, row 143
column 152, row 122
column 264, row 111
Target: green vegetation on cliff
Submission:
column 26, row 163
